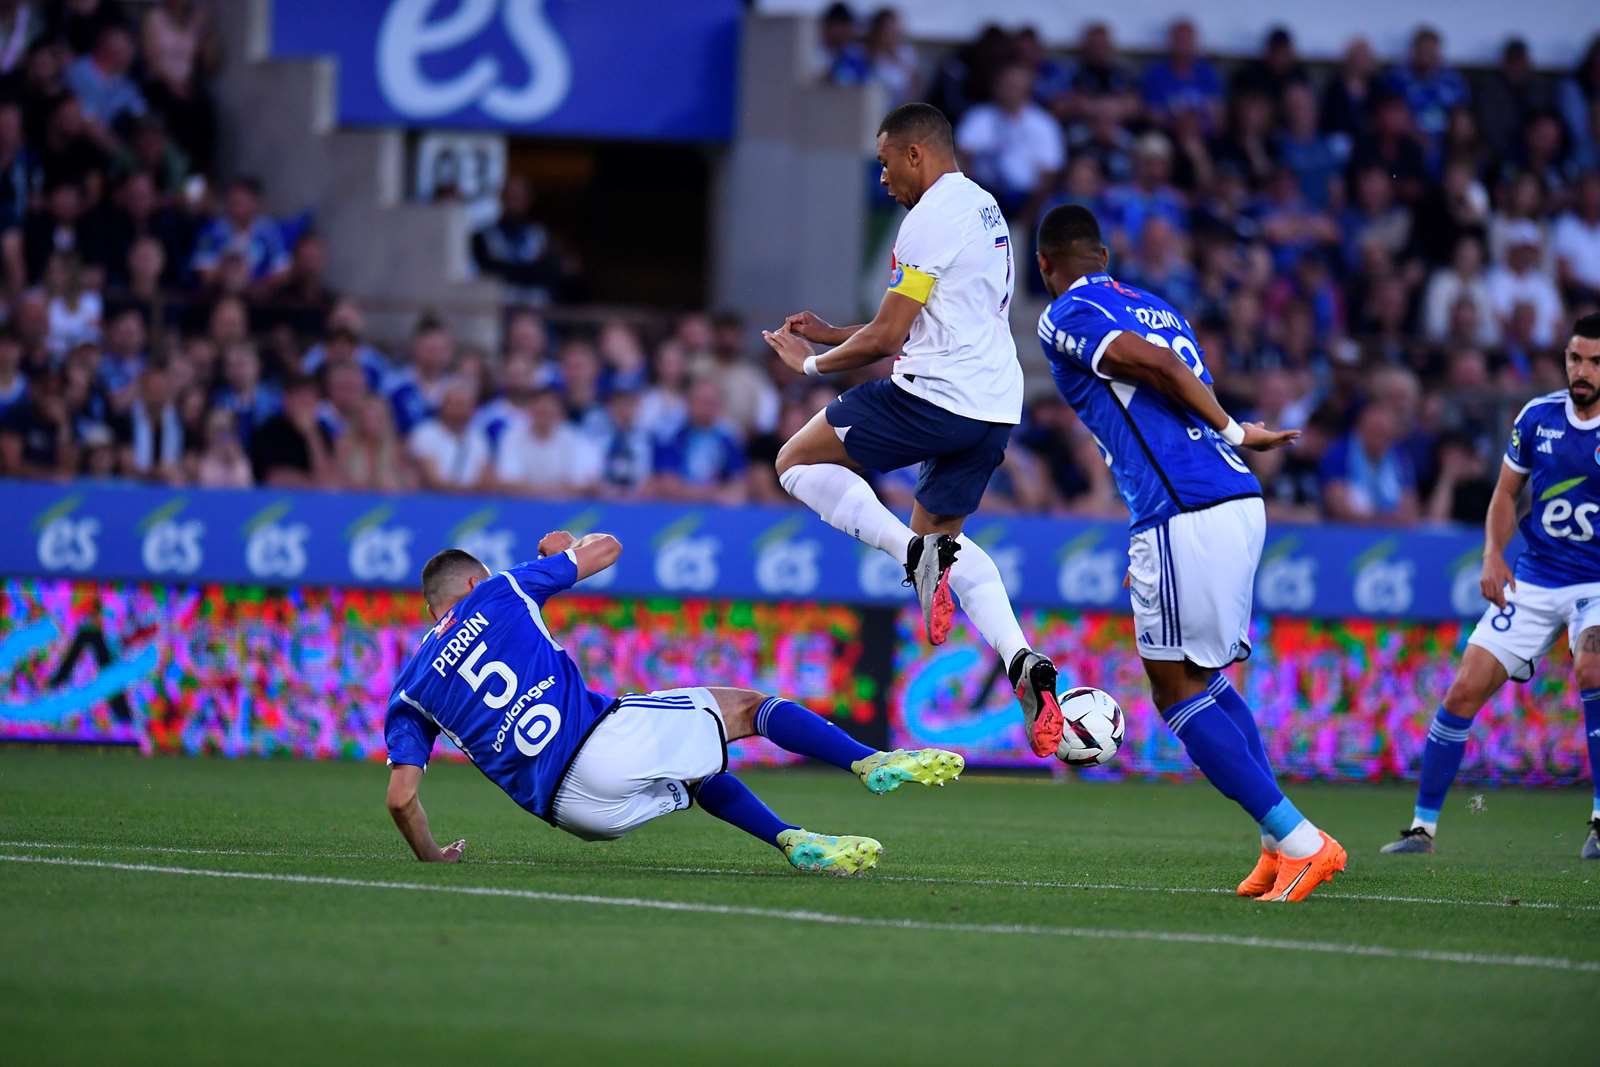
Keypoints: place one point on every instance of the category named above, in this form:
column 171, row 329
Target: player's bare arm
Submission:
column 406, row 810
column 1498, row 526
column 883, row 336
column 1133, row 358
column 814, row 328
column 593, row 552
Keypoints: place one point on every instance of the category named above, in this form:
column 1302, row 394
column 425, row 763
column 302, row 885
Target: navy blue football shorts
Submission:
column 884, row 428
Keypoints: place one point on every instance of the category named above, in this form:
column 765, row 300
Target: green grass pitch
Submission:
column 968, row 944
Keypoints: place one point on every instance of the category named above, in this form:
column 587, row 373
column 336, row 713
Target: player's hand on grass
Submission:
column 809, row 326
column 451, row 853
column 555, row 541
column 792, row 349
column 1260, row 439
column 1496, row 576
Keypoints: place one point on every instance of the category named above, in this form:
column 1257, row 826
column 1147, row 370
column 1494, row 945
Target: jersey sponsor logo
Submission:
column 1553, row 434
column 409, row 35
column 1562, row 521
column 274, row 548
column 1544, row 446
column 451, row 651
column 67, row 542
column 531, row 728
column 171, row 545
column 1069, row 346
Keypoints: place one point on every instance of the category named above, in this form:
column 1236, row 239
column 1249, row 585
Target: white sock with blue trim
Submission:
column 976, row 582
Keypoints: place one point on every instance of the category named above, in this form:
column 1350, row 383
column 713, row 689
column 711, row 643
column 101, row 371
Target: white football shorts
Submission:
column 1192, row 582
column 1532, row 620
column 637, row 763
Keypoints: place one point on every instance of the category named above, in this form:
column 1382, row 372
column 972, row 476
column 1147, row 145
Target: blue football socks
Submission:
column 1441, row 759
column 802, row 731
column 1224, row 756
column 731, row 800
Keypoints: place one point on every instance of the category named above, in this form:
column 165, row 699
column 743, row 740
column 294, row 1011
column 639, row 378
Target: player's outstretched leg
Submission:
column 1306, row 857
column 1265, row 872
column 1479, row 676
column 731, row 800
column 799, row 730
column 1588, row 672
column 977, row 583
column 844, row 500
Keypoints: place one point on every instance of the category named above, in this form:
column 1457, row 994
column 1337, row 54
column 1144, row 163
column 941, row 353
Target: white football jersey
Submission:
column 953, row 255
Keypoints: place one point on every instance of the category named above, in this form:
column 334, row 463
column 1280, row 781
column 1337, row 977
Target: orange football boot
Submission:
column 1297, row 878
column 1262, row 877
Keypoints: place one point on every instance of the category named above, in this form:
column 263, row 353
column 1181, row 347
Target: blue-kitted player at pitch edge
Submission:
column 1555, row 445
column 492, row 678
column 1129, row 365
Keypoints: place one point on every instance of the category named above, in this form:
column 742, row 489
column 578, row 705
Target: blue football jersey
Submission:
column 492, row 679
column 1561, row 456
column 1164, row 458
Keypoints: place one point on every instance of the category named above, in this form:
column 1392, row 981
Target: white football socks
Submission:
column 1431, row 827
column 846, row 502
column 975, row 580
column 1269, row 842
column 1303, row 842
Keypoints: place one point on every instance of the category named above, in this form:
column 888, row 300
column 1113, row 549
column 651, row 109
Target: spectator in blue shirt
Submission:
column 415, row 391
column 1366, row 477
column 242, row 393
column 1183, row 80
column 840, row 59
column 100, row 80
column 703, row 461
column 1317, row 159
column 1430, row 89
column 1149, row 195
column 1159, row 264
column 627, row 454
column 244, row 231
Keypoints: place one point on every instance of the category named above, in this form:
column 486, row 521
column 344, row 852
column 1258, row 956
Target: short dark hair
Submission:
column 1066, row 225
column 1588, row 327
column 445, row 567
column 921, row 124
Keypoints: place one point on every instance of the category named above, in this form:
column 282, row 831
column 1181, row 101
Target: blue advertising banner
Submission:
column 636, row 69
column 352, row 539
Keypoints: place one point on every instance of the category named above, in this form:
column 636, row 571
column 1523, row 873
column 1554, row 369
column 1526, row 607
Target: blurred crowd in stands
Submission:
column 1386, row 252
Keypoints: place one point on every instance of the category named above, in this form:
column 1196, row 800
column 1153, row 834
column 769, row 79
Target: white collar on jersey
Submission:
column 1084, row 279
column 1577, row 423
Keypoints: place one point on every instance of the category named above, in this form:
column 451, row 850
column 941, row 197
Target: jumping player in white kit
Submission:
column 491, row 677
column 1129, row 365
column 1555, row 447
column 950, row 404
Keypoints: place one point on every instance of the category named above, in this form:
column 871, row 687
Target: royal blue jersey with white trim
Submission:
column 491, row 678
column 1561, row 456
column 1164, row 458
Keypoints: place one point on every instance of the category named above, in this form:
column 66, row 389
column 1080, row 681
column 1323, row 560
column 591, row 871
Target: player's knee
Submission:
column 1587, row 670
column 738, row 707
column 1464, row 697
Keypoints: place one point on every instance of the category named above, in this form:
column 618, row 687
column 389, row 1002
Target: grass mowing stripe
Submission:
column 1000, row 883
column 1550, row 963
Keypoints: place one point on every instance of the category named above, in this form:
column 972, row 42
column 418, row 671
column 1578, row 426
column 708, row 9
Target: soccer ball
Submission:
column 1094, row 728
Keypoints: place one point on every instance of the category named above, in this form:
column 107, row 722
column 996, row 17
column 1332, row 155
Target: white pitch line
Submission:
column 1001, row 883
column 1548, row 963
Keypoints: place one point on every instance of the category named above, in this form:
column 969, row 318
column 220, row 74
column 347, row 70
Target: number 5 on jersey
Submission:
column 475, row 677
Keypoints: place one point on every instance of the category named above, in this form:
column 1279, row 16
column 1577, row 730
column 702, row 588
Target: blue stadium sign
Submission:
column 634, row 69
column 267, row 537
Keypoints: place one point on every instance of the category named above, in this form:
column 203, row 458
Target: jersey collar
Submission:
column 1577, row 423
column 1090, row 279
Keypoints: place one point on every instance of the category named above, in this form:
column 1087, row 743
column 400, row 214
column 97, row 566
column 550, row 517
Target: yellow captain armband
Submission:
column 909, row 281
